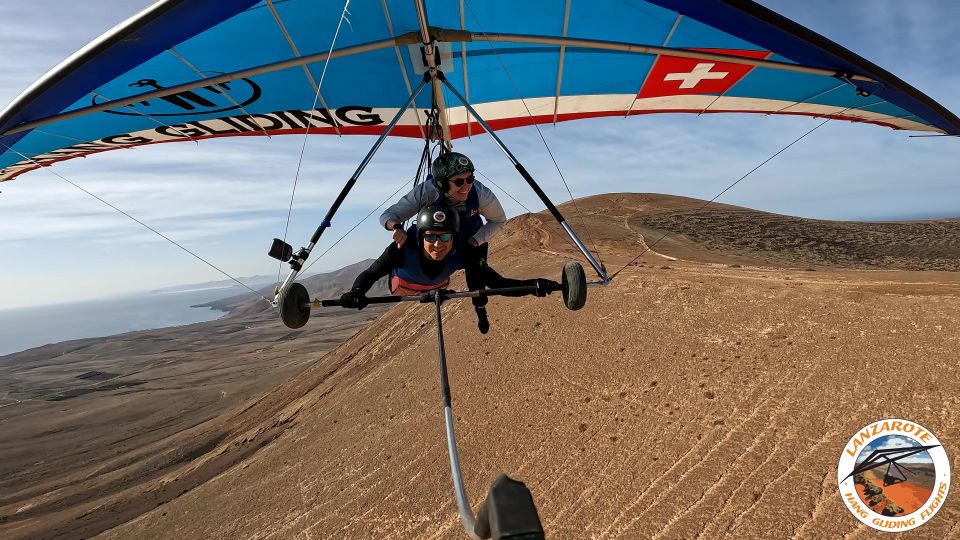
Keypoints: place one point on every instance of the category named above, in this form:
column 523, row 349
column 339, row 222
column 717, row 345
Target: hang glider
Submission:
column 889, row 457
column 191, row 70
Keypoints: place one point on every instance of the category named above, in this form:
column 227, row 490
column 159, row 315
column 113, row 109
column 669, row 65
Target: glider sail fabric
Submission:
column 190, row 70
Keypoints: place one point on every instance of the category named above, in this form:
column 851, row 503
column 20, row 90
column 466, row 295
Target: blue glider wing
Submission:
column 190, row 70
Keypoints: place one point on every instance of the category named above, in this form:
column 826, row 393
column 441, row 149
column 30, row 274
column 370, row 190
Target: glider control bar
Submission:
column 296, row 304
column 601, row 271
column 284, row 252
column 427, row 297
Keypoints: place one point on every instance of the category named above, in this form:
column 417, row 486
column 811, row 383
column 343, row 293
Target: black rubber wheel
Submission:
column 293, row 311
column 574, row 282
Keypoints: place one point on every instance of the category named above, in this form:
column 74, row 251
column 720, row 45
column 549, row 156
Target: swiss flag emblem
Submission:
column 673, row 76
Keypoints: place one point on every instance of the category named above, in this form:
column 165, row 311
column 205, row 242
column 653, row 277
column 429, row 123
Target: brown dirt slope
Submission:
column 687, row 398
column 94, row 428
column 705, row 392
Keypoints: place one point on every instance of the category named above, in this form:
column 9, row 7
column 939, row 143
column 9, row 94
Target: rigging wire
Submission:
column 423, row 169
column 430, row 136
column 529, row 211
column 148, row 117
column 488, row 179
column 309, row 122
column 385, row 201
column 539, row 132
column 148, row 227
column 728, row 188
column 296, row 178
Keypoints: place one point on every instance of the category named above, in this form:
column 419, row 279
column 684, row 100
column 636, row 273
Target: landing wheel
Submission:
column 293, row 310
column 574, row 283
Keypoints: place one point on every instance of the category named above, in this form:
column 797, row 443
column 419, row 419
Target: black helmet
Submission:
column 447, row 165
column 438, row 217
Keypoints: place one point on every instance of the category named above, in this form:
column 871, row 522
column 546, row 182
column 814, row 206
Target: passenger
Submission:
column 454, row 184
column 428, row 263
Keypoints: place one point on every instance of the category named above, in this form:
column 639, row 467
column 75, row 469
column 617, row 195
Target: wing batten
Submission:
column 168, row 91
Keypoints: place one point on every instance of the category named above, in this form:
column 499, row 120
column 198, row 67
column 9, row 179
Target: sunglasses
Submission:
column 431, row 237
column 459, row 181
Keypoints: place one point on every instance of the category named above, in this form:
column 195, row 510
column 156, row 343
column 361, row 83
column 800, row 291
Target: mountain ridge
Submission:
column 677, row 401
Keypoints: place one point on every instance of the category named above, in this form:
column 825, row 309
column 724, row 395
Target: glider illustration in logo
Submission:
column 890, row 457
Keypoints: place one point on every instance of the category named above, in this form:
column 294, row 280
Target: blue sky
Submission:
column 58, row 244
column 895, row 441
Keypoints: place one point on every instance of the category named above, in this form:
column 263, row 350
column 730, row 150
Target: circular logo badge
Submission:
column 439, row 217
column 893, row 475
column 463, row 161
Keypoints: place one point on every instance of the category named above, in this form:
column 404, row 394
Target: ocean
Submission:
column 25, row 328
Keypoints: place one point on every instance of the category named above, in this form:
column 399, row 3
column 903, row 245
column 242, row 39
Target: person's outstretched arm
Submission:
column 385, row 263
column 408, row 206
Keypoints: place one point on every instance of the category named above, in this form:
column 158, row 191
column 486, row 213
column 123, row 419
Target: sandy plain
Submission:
column 707, row 392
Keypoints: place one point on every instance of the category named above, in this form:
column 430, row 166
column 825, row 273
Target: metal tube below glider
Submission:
column 463, row 503
column 586, row 252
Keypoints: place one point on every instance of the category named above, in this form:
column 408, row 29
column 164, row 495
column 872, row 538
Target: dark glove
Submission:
column 546, row 286
column 355, row 298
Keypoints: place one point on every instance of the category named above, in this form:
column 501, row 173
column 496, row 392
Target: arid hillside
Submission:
column 91, row 427
column 708, row 391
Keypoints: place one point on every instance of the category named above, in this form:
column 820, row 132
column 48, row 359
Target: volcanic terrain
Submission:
column 708, row 391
